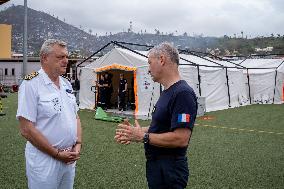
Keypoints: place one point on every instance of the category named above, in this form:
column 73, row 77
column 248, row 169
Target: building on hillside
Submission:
column 266, row 49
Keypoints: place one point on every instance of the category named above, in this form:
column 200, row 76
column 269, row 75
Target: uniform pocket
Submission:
column 71, row 97
column 72, row 102
column 49, row 105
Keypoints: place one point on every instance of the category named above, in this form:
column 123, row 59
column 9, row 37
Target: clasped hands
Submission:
column 70, row 157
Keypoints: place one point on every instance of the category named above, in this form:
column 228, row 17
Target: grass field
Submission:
column 238, row 148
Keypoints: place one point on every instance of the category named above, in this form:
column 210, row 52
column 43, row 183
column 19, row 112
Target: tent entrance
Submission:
column 114, row 75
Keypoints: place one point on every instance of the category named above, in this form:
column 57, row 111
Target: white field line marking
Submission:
column 246, row 130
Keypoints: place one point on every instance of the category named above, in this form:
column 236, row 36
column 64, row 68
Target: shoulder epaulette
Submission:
column 31, row 75
column 66, row 77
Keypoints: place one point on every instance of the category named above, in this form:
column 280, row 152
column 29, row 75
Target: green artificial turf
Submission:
column 239, row 148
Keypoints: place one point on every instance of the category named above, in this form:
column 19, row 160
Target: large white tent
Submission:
column 266, row 79
column 118, row 59
column 220, row 82
column 223, row 84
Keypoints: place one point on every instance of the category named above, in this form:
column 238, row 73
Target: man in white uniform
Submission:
column 47, row 112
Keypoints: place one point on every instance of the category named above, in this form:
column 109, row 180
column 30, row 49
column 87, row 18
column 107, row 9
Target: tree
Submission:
column 90, row 31
column 226, row 37
column 157, row 32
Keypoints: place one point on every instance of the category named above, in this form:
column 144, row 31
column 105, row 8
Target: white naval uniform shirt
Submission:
column 52, row 110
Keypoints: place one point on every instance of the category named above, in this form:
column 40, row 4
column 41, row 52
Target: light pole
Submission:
column 25, row 39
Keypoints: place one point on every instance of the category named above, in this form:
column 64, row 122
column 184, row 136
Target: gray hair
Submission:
column 46, row 46
column 167, row 49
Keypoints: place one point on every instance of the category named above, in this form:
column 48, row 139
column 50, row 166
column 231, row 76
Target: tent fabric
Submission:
column 223, row 84
column 86, row 96
column 265, row 77
column 221, row 88
column 121, row 59
column 117, row 67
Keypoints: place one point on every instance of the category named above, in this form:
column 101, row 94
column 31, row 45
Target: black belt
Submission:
column 168, row 156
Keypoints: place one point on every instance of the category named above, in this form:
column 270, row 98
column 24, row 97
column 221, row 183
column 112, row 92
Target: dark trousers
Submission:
column 102, row 98
column 108, row 97
column 167, row 173
column 121, row 100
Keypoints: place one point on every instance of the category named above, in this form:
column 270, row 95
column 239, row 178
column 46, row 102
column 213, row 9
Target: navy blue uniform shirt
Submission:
column 176, row 108
column 122, row 83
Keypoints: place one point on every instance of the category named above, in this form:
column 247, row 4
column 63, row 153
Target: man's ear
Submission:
column 43, row 58
column 163, row 59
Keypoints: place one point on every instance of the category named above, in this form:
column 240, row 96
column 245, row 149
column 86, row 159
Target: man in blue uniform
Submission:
column 122, row 92
column 167, row 138
column 108, row 89
column 102, row 92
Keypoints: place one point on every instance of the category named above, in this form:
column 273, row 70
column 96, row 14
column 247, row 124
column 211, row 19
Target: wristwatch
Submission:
column 146, row 138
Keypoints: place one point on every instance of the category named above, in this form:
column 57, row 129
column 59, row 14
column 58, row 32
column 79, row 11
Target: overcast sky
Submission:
column 207, row 17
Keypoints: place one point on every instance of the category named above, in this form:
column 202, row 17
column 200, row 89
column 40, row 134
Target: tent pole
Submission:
column 91, row 56
column 97, row 92
column 133, row 44
column 249, row 87
column 274, row 86
column 205, row 58
column 151, row 100
column 199, row 80
column 228, row 87
column 129, row 49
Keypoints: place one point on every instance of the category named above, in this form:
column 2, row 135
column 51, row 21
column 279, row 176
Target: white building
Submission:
column 11, row 69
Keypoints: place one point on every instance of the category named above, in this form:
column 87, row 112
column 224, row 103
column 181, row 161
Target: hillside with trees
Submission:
column 42, row 26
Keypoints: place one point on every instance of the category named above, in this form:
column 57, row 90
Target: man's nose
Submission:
column 65, row 60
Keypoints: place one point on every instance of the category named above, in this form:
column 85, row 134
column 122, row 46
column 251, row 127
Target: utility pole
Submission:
column 25, row 39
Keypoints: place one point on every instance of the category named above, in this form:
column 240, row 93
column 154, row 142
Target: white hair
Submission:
column 46, row 46
column 168, row 49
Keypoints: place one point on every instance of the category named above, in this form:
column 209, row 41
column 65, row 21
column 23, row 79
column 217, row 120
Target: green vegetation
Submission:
column 238, row 148
column 247, row 47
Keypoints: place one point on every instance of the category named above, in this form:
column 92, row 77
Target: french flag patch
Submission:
column 183, row 118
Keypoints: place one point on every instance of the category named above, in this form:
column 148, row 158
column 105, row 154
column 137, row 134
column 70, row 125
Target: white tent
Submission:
column 220, row 82
column 223, row 84
column 266, row 79
column 227, row 84
column 121, row 60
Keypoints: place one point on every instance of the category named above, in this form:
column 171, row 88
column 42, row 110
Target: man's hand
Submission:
column 77, row 148
column 68, row 157
column 120, row 136
column 126, row 133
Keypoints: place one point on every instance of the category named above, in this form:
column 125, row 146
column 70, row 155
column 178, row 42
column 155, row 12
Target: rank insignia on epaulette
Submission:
column 69, row 91
column 66, row 77
column 154, row 109
column 31, row 75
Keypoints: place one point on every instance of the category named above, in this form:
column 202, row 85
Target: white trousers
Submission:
column 45, row 172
